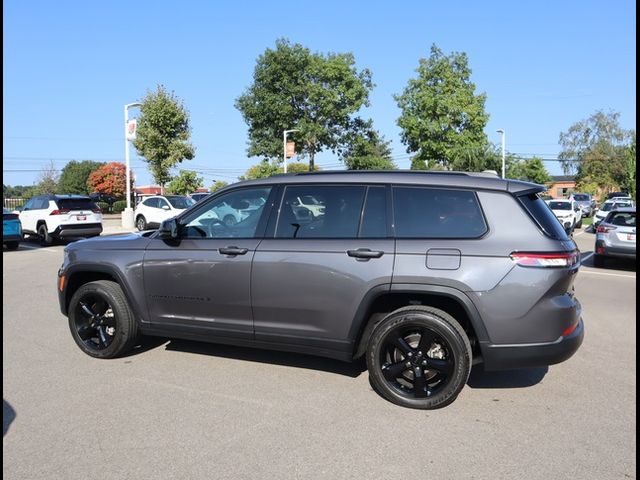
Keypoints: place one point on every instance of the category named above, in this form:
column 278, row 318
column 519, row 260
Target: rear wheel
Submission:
column 12, row 245
column 101, row 321
column 141, row 223
column 43, row 235
column 598, row 261
column 419, row 357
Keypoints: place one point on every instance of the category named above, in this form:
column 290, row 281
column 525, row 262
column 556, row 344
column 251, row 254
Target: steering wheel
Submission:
column 215, row 221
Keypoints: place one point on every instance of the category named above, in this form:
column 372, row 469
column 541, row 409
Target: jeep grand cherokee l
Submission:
column 422, row 273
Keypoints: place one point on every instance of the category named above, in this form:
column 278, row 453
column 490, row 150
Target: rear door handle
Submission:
column 233, row 250
column 364, row 253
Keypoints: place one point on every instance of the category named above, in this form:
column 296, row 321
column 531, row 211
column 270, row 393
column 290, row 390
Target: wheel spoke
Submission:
column 419, row 383
column 107, row 321
column 102, row 337
column 86, row 332
column 426, row 339
column 86, row 309
column 400, row 343
column 393, row 370
column 441, row 366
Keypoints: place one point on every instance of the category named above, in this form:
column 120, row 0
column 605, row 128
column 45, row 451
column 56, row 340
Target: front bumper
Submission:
column 507, row 357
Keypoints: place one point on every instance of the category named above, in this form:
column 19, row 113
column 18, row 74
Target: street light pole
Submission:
column 284, row 146
column 127, row 214
column 501, row 132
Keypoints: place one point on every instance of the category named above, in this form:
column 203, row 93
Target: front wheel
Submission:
column 101, row 321
column 579, row 224
column 419, row 357
column 141, row 223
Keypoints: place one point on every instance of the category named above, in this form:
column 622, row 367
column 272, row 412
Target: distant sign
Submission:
column 291, row 149
column 132, row 125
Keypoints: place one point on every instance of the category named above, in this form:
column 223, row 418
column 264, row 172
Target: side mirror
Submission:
column 169, row 229
column 166, row 207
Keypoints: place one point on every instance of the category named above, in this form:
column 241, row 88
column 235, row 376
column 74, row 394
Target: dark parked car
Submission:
column 199, row 196
column 11, row 229
column 103, row 197
column 586, row 203
column 616, row 236
column 423, row 274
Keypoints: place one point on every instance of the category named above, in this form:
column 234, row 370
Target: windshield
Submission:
column 581, row 197
column 180, row 202
column 560, row 205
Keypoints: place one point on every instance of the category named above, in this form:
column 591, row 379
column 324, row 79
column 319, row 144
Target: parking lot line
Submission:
column 586, row 270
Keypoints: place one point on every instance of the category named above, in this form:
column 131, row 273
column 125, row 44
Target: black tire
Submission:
column 141, row 223
column 598, row 261
column 43, row 235
column 579, row 224
column 229, row 220
column 101, row 321
column 394, row 367
column 12, row 245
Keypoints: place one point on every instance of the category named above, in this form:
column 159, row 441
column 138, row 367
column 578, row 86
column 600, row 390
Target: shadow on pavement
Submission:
column 297, row 360
column 8, row 416
column 610, row 263
column 521, row 378
column 146, row 343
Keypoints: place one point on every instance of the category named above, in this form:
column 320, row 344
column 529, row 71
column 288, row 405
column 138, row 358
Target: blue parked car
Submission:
column 11, row 229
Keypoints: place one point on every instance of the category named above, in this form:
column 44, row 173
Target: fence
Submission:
column 13, row 203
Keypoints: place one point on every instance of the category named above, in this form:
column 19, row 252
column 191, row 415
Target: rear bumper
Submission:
column 507, row 357
column 615, row 251
column 11, row 238
column 86, row 230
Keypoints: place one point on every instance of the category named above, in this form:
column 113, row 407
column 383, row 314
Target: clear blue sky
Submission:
column 69, row 67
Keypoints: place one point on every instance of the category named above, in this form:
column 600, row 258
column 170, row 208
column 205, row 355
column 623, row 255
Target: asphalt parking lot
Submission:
column 178, row 409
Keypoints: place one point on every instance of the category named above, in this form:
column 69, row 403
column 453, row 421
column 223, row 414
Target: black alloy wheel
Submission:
column 419, row 357
column 94, row 321
column 101, row 321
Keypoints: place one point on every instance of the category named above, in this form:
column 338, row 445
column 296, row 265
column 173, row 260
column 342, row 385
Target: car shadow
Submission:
column 610, row 263
column 8, row 416
column 519, row 378
column 297, row 360
column 146, row 343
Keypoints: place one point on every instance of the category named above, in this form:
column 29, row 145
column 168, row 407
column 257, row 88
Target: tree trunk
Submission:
column 312, row 165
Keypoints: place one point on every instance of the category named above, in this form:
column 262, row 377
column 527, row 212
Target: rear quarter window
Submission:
column 422, row 212
column 543, row 216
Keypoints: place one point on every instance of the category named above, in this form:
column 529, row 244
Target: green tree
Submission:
column 218, row 185
column 442, row 118
column 185, row 183
column 630, row 183
column 366, row 149
column 529, row 170
column 74, row 176
column 267, row 169
column 47, row 181
column 163, row 133
column 312, row 92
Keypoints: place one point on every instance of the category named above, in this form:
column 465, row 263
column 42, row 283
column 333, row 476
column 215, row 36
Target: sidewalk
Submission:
column 112, row 225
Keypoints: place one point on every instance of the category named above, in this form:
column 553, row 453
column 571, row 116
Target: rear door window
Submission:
column 437, row 213
column 543, row 216
column 333, row 211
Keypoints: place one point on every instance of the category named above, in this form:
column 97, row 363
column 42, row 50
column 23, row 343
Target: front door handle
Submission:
column 365, row 253
column 233, row 251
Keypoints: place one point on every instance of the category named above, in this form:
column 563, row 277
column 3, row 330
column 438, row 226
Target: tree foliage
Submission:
column 217, row 185
column 267, row 169
column 74, row 176
column 185, row 183
column 163, row 133
column 442, row 118
column 366, row 149
column 47, row 181
column 110, row 178
column 529, row 170
column 597, row 151
column 312, row 92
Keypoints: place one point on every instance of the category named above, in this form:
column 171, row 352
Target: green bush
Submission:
column 119, row 206
column 104, row 206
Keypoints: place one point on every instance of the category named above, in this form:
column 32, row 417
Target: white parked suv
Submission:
column 61, row 216
column 609, row 205
column 568, row 212
column 152, row 211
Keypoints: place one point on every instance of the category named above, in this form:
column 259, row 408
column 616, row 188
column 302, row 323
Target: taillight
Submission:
column 10, row 216
column 62, row 211
column 546, row 260
column 603, row 229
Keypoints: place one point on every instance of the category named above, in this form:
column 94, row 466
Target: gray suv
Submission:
column 423, row 274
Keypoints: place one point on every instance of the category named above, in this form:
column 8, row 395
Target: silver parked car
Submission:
column 616, row 236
